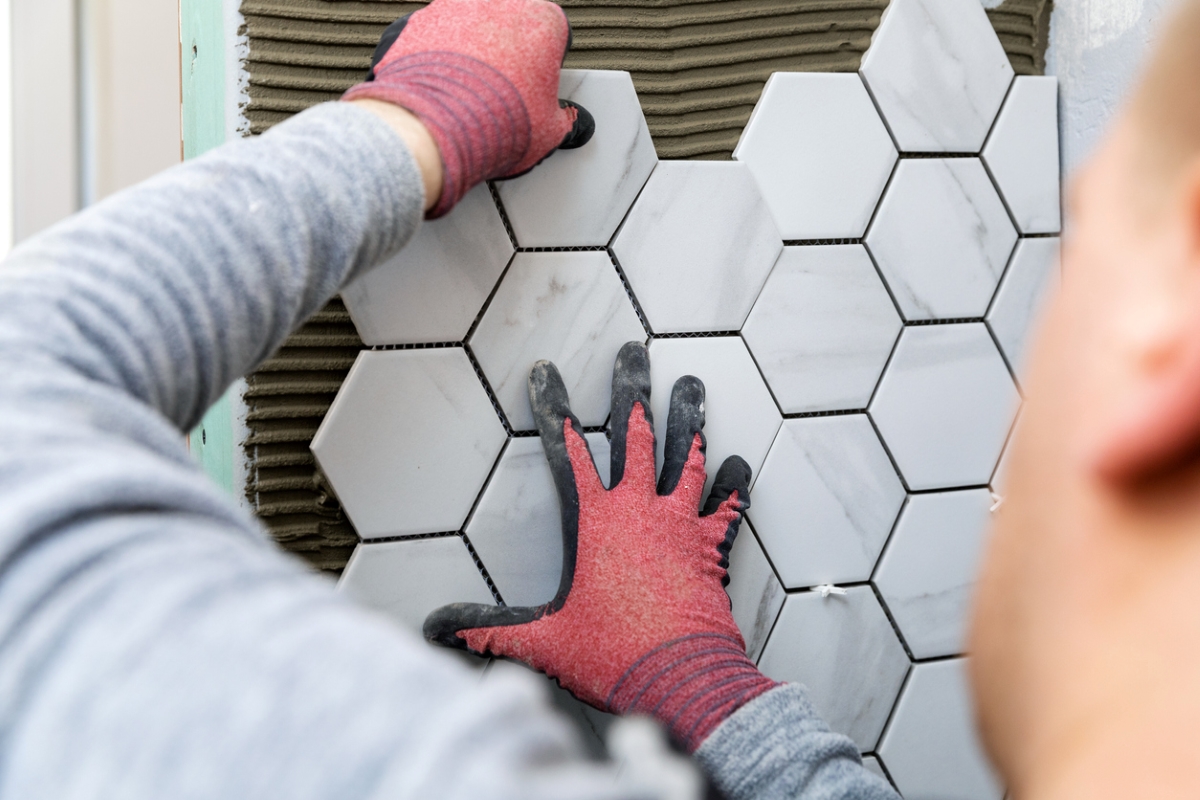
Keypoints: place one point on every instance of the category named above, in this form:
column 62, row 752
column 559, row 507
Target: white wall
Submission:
column 131, row 92
column 45, row 113
column 89, row 104
column 1096, row 50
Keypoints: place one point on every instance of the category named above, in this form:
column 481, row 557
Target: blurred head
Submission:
column 1086, row 637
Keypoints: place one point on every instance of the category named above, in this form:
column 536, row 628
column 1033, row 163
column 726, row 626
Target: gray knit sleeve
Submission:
column 778, row 748
column 153, row 644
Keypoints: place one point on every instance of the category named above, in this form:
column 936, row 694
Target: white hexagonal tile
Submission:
column 820, row 173
column 697, row 246
column 945, row 405
column 842, row 648
column 754, row 592
column 942, row 238
column 871, row 765
column 516, row 529
column 826, row 500
column 927, row 574
column 432, row 290
column 406, row 580
column 409, row 441
column 740, row 416
column 931, row 748
column 1032, row 277
column 938, row 73
column 567, row 307
column 579, row 197
column 822, row 329
column 1022, row 153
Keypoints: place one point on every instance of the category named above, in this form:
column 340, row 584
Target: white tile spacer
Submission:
column 829, row 589
column 997, row 501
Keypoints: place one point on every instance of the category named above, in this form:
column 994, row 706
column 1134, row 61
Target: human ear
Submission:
column 1160, row 426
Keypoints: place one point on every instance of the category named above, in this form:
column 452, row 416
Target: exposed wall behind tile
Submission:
column 699, row 67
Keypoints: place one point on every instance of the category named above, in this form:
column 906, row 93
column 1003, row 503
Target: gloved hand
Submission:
column 482, row 75
column 641, row 622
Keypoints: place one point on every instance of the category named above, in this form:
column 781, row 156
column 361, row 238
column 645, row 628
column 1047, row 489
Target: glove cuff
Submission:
column 475, row 115
column 691, row 685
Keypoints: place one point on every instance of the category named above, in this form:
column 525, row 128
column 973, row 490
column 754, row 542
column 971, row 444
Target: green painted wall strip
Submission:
column 202, row 40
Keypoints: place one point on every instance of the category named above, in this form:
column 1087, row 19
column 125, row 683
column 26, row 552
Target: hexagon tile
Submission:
column 406, row 580
column 740, row 416
column 409, row 441
column 1032, row 276
column 938, row 73
column 1022, row 153
column 942, row 238
column 516, row 529
column 930, row 748
column 578, row 197
column 692, row 222
column 821, row 173
column 945, row 405
column 432, row 290
column 842, row 648
column 927, row 573
column 754, row 591
column 826, row 500
column 822, row 329
column 567, row 307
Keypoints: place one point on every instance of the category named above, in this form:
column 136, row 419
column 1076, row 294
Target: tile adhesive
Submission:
column 698, row 66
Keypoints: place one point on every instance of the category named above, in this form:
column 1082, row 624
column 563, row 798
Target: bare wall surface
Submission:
column 699, row 67
column 130, row 52
column 45, row 115
column 1096, row 50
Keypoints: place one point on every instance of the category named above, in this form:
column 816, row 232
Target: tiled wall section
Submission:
column 304, row 52
column 854, row 289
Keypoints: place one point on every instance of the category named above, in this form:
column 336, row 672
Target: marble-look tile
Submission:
column 927, row 574
column 931, row 748
column 842, row 648
column 871, row 765
column 945, row 405
column 822, row 329
column 516, row 529
column 567, row 307
column 938, row 73
column 697, row 246
column 1031, row 278
column 409, row 441
column 754, row 592
column 740, row 416
column 826, row 500
column 432, row 290
column 820, row 173
column 407, row 580
column 1022, row 153
column 578, row 197
column 591, row 725
column 942, row 238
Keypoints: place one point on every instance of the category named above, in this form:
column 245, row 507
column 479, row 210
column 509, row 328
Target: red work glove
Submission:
column 641, row 622
column 482, row 75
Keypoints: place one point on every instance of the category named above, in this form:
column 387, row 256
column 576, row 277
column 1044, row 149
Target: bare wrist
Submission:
column 418, row 139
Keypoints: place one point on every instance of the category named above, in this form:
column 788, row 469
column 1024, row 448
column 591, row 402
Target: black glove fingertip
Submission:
column 389, row 37
column 630, row 385
column 684, row 420
column 733, row 476
column 582, row 131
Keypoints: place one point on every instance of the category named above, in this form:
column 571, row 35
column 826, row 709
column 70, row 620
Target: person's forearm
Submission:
column 778, row 748
column 173, row 289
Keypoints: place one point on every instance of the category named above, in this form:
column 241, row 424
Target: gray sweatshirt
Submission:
column 153, row 641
